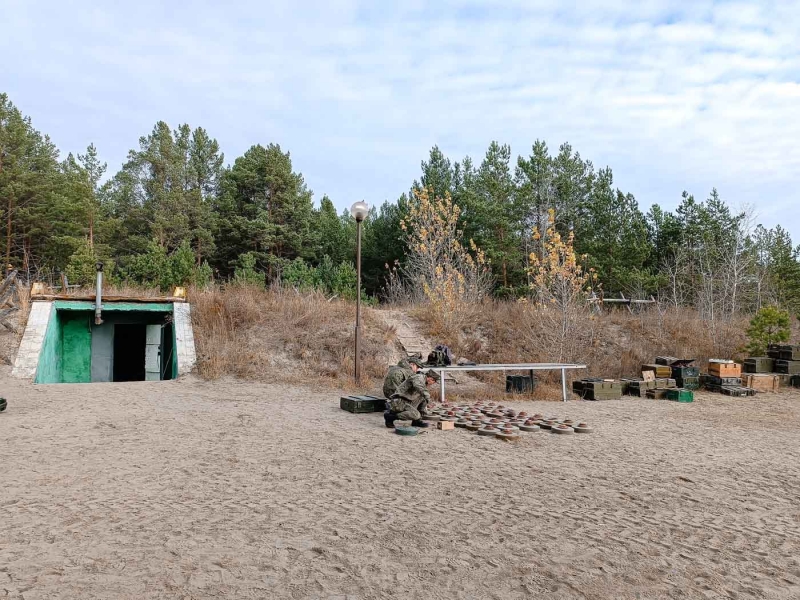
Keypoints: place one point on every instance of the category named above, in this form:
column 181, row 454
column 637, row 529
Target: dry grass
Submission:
column 617, row 342
column 275, row 335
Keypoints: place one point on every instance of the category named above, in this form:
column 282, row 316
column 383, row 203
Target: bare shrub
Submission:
column 396, row 291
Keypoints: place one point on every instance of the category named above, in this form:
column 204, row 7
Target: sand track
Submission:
column 198, row 490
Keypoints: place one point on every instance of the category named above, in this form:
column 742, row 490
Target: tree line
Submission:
column 176, row 213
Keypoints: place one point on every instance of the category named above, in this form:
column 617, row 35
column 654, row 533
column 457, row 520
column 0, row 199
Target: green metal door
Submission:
column 76, row 348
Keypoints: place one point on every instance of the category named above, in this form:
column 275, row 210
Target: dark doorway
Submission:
column 129, row 349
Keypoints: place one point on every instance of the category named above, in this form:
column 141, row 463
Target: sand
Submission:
column 208, row 490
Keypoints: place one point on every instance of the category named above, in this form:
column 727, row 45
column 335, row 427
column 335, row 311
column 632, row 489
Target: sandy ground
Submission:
column 198, row 490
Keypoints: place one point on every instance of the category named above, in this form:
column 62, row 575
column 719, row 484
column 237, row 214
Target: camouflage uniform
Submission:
column 397, row 374
column 410, row 401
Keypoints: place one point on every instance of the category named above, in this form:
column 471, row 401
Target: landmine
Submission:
column 497, row 420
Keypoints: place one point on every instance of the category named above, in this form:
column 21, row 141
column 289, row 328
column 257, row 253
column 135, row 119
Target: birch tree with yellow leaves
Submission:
column 560, row 288
column 440, row 269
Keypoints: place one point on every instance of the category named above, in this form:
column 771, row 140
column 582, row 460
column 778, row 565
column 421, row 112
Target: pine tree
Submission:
column 266, row 209
column 495, row 214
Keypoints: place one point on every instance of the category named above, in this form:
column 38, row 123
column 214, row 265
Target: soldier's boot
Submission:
column 389, row 418
column 420, row 423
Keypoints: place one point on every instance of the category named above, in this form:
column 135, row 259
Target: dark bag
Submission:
column 440, row 357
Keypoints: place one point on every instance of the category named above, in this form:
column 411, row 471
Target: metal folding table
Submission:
column 530, row 367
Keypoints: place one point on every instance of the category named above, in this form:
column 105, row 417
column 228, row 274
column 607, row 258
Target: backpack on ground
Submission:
column 440, row 357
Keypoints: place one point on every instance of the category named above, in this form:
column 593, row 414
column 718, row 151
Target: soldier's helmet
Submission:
column 433, row 375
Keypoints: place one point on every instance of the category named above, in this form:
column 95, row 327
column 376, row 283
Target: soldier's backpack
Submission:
column 440, row 357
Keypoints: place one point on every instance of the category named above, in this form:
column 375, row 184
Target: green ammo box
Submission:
column 679, row 395
column 795, row 381
column 774, row 351
column 665, row 382
column 600, row 389
column 683, row 372
column 790, row 352
column 737, row 391
column 688, row 383
column 657, row 394
column 362, row 404
column 639, row 387
column 788, row 367
column 758, row 364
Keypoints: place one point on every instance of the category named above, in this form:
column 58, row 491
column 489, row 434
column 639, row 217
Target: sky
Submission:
column 672, row 96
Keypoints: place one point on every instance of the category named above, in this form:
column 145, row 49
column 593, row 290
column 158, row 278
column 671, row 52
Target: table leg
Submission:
column 531, row 374
column 441, row 387
column 564, row 384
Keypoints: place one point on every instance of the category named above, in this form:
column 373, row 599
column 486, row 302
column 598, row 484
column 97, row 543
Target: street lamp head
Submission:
column 359, row 210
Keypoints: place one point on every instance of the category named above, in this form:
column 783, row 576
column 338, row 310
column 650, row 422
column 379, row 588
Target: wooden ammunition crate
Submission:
column 612, row 394
column 784, row 379
column 672, row 361
column 666, row 383
column 362, row 404
column 637, row 387
column 625, row 383
column 680, row 395
column 724, row 369
column 661, row 371
column 713, row 380
column 657, row 394
column 788, row 367
column 789, row 352
column 737, row 391
column 758, row 364
column 688, row 383
column 666, row 360
column 579, row 385
column 774, row 350
column 760, row 382
column 683, row 372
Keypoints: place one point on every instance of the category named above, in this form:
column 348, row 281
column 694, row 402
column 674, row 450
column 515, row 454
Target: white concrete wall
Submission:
column 32, row 340
column 187, row 358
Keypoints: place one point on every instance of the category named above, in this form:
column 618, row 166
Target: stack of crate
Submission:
column 786, row 357
column 774, row 371
column 725, row 377
column 758, row 374
column 682, row 371
column 639, row 387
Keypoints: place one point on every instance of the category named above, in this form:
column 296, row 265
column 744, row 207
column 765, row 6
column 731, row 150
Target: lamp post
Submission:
column 359, row 211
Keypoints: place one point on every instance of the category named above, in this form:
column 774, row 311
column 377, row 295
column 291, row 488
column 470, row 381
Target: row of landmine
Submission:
column 492, row 419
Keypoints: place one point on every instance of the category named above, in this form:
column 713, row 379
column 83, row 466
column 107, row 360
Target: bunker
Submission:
column 136, row 341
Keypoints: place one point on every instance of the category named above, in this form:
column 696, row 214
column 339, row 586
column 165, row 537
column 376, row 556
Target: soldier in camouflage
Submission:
column 410, row 401
column 398, row 373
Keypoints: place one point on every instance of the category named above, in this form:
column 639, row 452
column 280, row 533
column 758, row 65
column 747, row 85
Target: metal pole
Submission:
column 98, row 304
column 358, row 302
column 441, row 387
column 564, row 384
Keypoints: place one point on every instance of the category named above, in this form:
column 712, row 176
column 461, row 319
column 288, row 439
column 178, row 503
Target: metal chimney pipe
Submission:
column 98, row 304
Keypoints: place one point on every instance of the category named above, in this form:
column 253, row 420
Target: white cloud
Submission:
column 702, row 95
